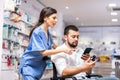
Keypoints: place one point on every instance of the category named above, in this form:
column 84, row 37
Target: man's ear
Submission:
column 65, row 37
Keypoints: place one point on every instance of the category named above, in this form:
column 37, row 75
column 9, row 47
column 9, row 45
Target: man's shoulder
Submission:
column 59, row 54
column 61, row 46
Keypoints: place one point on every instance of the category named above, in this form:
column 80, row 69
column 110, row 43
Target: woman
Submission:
column 33, row 61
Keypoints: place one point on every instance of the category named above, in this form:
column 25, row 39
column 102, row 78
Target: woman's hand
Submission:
column 54, row 46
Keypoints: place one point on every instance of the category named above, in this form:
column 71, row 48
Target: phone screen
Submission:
column 87, row 50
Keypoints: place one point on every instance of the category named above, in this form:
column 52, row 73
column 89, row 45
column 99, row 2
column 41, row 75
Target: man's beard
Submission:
column 72, row 45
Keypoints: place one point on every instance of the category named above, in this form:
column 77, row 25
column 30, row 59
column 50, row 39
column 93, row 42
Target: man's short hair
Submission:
column 70, row 27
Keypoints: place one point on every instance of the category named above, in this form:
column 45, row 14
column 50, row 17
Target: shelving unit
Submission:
column 16, row 30
column 27, row 22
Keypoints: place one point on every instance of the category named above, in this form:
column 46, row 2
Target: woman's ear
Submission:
column 45, row 18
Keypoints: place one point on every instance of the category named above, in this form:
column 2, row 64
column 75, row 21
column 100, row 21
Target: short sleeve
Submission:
column 37, row 42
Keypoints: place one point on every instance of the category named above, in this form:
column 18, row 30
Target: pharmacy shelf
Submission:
column 22, row 33
column 31, row 25
column 11, row 40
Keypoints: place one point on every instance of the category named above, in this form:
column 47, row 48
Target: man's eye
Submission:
column 73, row 36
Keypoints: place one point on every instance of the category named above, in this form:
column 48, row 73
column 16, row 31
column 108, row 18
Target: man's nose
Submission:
column 76, row 38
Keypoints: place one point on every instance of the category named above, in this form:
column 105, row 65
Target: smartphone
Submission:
column 93, row 58
column 87, row 50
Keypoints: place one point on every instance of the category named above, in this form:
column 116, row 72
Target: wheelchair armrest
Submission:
column 73, row 78
column 94, row 75
column 55, row 77
column 63, row 78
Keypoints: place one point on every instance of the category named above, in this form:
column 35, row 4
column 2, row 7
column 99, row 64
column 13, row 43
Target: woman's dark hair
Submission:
column 46, row 12
column 70, row 27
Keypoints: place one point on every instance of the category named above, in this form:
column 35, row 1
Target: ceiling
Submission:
column 89, row 12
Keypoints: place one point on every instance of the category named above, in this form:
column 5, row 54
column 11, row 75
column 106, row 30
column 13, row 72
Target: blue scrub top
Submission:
column 32, row 62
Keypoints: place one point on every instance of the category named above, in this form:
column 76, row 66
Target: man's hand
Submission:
column 85, row 56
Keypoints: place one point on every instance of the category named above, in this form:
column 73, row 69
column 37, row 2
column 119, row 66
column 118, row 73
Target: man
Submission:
column 76, row 64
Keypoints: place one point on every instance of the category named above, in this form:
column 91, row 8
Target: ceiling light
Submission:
column 112, row 5
column 77, row 18
column 66, row 7
column 114, row 20
column 114, row 13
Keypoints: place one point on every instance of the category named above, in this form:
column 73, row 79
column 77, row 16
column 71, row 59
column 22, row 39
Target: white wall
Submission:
column 59, row 28
column 60, row 25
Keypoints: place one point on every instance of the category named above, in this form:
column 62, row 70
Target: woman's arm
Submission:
column 55, row 51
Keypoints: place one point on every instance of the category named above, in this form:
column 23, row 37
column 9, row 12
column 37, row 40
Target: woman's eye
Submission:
column 54, row 17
